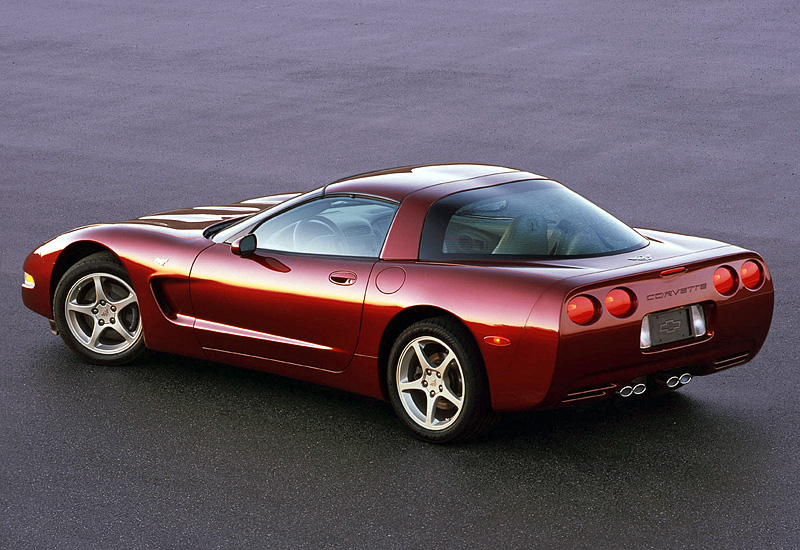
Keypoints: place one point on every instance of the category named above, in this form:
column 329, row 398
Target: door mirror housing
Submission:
column 244, row 246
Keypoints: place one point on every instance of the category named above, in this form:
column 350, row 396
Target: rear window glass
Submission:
column 532, row 218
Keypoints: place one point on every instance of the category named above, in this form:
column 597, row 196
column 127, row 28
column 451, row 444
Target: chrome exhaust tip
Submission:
column 639, row 389
column 685, row 378
column 627, row 391
column 673, row 381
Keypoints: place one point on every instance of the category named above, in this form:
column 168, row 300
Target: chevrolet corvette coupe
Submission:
column 454, row 291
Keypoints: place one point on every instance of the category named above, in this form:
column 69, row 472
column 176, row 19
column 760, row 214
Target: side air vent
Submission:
column 161, row 298
column 731, row 360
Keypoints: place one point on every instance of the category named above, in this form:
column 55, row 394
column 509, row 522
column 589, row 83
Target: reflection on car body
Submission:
column 454, row 291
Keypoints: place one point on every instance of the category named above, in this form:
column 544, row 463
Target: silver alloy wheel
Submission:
column 102, row 313
column 430, row 383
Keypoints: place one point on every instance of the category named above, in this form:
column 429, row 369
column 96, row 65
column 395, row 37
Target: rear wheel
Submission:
column 437, row 384
column 96, row 311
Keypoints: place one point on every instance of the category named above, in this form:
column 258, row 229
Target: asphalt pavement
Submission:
column 680, row 116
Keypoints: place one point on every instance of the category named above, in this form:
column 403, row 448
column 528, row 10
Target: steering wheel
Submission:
column 315, row 229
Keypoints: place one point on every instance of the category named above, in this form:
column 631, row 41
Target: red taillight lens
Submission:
column 751, row 274
column 725, row 280
column 582, row 310
column 620, row 302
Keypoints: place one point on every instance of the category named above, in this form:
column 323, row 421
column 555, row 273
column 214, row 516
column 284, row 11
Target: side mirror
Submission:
column 244, row 246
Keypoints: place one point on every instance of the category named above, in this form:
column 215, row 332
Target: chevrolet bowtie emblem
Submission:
column 669, row 326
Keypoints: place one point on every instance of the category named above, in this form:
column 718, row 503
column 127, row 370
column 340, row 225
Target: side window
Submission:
column 335, row 226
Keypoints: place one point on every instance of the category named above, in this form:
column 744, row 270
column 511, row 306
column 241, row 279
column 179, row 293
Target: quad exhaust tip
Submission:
column 640, row 388
column 636, row 389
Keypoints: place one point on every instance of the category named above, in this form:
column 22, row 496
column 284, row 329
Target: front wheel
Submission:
column 96, row 311
column 437, row 384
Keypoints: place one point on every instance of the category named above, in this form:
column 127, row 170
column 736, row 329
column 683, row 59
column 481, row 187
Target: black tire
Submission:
column 102, row 326
column 440, row 401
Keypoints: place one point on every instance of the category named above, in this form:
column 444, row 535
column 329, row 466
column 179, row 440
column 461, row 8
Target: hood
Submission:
column 199, row 218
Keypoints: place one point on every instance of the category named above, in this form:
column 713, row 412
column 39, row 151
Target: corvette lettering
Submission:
column 676, row 292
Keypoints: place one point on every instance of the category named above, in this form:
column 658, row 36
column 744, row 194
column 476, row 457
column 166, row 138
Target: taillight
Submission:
column 620, row 302
column 751, row 274
column 583, row 310
column 725, row 280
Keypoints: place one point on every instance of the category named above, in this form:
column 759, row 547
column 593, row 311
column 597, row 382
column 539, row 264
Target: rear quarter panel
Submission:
column 489, row 301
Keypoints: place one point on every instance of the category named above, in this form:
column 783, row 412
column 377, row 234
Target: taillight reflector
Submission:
column 751, row 274
column 725, row 280
column 582, row 310
column 620, row 302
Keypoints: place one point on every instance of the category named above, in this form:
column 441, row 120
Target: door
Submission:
column 298, row 299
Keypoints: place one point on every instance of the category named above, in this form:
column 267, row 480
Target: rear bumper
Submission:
column 564, row 364
column 737, row 328
column 566, row 390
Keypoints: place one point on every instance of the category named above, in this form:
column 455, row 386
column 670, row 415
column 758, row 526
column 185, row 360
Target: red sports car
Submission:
column 455, row 291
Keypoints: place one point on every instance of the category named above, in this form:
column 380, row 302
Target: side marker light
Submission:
column 497, row 340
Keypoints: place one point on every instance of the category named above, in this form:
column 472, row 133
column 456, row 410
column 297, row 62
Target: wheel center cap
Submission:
column 105, row 312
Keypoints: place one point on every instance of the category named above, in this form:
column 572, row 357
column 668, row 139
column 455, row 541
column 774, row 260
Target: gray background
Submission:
column 680, row 116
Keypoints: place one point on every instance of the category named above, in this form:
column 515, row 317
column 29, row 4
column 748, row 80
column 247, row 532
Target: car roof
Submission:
column 398, row 183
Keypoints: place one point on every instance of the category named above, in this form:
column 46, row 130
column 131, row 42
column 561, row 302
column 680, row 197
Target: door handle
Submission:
column 343, row 278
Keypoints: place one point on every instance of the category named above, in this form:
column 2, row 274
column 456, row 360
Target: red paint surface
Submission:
column 283, row 313
column 390, row 280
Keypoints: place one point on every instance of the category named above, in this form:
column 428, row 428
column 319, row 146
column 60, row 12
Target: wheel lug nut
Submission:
column 113, row 308
column 428, row 372
column 433, row 393
column 102, row 302
column 101, row 322
column 438, row 375
column 424, row 383
column 114, row 321
column 440, row 388
column 94, row 310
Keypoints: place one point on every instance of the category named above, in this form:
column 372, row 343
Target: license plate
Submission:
column 674, row 325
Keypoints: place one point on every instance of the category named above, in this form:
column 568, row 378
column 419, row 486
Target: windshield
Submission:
column 532, row 218
column 242, row 226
